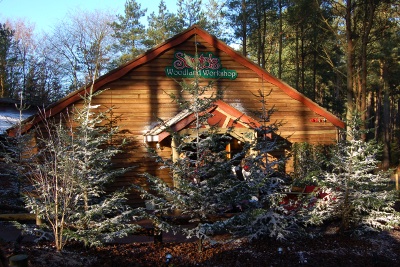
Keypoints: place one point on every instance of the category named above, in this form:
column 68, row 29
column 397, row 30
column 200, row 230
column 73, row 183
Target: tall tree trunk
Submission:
column 370, row 112
column 244, row 28
column 386, row 136
column 303, row 58
column 369, row 12
column 297, row 59
column 386, row 119
column 259, row 31
column 315, row 93
column 280, row 40
column 397, row 121
column 378, row 113
column 349, row 58
column 264, row 32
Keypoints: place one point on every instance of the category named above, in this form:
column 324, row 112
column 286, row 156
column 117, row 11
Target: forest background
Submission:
column 342, row 54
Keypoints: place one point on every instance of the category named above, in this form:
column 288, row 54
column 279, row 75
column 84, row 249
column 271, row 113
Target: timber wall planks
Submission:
column 141, row 96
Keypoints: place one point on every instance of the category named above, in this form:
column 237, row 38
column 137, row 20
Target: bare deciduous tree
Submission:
column 81, row 44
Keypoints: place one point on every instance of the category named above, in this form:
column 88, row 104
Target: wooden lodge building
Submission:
column 140, row 90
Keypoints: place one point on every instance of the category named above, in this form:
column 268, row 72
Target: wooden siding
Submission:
column 141, row 95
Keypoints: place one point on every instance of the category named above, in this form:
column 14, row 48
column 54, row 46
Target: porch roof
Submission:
column 223, row 116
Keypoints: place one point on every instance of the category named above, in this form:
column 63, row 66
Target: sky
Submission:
column 46, row 13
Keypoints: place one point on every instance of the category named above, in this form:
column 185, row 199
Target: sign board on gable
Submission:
column 209, row 67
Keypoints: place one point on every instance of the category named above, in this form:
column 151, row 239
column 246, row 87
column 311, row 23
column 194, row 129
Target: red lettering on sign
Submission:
column 205, row 62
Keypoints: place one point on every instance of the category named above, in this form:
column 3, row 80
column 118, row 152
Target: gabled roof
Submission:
column 170, row 43
column 222, row 115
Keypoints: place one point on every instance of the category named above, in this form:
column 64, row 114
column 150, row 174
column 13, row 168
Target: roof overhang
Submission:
column 222, row 116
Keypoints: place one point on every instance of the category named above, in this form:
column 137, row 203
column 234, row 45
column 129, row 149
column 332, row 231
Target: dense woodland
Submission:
column 342, row 54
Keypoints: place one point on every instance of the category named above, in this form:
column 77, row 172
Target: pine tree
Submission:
column 97, row 217
column 70, row 173
column 190, row 13
column 129, row 32
column 161, row 26
column 357, row 193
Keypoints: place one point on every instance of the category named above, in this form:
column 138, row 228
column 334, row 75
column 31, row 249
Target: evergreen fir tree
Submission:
column 97, row 216
column 70, row 173
column 161, row 26
column 129, row 32
column 356, row 192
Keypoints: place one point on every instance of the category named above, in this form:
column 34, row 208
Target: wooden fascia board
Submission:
column 183, row 123
column 176, row 127
column 237, row 114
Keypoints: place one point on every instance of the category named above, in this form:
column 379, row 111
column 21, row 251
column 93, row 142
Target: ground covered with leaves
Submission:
column 328, row 249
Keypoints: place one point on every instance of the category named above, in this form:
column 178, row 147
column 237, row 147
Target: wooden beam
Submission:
column 18, row 217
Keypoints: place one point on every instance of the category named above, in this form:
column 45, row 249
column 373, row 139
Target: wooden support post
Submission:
column 175, row 156
column 38, row 219
column 397, row 181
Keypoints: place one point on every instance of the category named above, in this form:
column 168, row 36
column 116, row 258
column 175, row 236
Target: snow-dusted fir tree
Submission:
column 204, row 185
column 358, row 194
column 72, row 168
column 98, row 216
column 267, row 216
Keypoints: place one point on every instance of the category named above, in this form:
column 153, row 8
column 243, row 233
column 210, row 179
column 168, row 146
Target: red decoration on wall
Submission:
column 318, row 120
